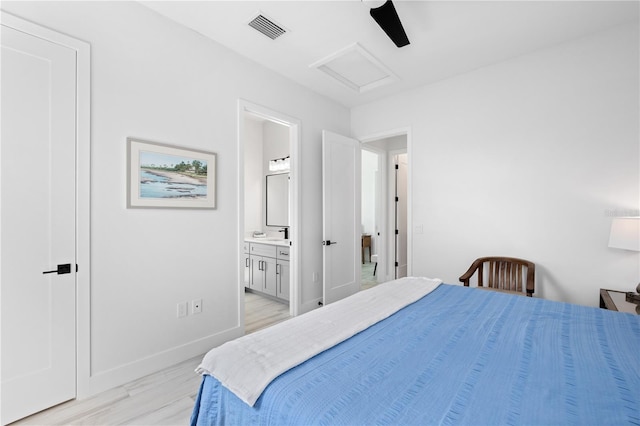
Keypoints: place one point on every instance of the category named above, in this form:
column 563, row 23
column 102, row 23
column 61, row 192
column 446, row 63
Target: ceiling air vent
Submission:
column 266, row 26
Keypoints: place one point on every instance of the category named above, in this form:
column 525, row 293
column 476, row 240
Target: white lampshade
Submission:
column 625, row 233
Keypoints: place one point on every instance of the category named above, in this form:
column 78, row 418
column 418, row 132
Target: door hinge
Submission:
column 397, row 264
column 397, row 232
column 397, row 199
column 397, row 167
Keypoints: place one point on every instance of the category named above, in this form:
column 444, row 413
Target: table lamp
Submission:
column 625, row 234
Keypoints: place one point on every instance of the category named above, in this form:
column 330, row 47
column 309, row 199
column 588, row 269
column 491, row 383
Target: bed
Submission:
column 455, row 355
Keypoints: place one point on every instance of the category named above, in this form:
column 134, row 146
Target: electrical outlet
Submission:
column 182, row 309
column 196, row 306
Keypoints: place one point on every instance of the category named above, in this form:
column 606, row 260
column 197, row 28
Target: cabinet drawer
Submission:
column 263, row 250
column 283, row 253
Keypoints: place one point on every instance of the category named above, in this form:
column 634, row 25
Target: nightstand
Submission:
column 614, row 300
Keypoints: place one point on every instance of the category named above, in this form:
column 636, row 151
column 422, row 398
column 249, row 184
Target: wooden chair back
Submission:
column 504, row 274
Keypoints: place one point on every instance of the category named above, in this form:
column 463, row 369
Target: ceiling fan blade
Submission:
column 387, row 17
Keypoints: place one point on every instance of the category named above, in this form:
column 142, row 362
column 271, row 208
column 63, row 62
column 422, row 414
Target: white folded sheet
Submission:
column 248, row 364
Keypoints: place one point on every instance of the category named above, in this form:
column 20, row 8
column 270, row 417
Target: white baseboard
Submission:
column 126, row 373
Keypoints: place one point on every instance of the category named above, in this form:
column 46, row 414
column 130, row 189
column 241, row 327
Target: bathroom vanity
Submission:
column 266, row 266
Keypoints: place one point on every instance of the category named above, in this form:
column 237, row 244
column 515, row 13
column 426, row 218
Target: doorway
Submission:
column 268, row 144
column 385, row 213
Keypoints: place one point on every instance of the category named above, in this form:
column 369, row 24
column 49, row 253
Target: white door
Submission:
column 37, row 224
column 341, row 230
column 401, row 215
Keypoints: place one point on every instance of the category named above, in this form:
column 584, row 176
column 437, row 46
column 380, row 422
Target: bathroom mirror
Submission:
column 278, row 200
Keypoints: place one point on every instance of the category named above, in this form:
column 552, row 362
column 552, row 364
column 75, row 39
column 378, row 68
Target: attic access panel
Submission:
column 356, row 68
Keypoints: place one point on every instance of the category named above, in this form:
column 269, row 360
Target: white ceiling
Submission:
column 447, row 37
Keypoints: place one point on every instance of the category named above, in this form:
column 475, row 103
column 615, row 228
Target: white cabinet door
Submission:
column 247, row 270
column 38, row 226
column 282, row 274
column 257, row 273
column 270, row 282
column 263, row 274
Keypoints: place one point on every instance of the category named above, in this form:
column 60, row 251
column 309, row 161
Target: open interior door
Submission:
column 401, row 216
column 341, row 230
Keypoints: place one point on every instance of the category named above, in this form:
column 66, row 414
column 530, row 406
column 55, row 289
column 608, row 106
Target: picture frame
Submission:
column 168, row 176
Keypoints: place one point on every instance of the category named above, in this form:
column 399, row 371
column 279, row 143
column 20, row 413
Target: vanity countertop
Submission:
column 271, row 241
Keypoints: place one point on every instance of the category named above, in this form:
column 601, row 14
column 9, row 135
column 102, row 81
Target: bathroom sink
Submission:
column 273, row 239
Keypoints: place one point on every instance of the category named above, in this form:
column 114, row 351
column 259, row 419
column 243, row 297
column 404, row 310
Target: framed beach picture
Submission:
column 168, row 176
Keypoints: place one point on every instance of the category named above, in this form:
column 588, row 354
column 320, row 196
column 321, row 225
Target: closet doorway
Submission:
column 268, row 144
column 385, row 213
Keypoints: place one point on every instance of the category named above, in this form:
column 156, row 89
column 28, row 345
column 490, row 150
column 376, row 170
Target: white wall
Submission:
column 264, row 140
column 156, row 80
column 369, row 189
column 526, row 158
column 276, row 142
column 276, row 145
column 394, row 143
column 253, row 176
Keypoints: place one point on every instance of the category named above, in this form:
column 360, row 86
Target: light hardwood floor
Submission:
column 163, row 398
column 260, row 312
column 367, row 279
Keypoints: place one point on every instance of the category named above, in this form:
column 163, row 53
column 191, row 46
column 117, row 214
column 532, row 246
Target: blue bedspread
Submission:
column 458, row 356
